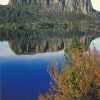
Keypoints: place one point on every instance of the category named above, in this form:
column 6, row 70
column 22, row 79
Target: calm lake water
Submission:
column 24, row 77
column 23, row 68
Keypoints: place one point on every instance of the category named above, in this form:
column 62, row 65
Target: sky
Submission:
column 95, row 3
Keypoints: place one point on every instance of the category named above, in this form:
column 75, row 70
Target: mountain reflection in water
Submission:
column 47, row 40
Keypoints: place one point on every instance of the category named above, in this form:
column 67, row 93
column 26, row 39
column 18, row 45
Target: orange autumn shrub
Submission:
column 78, row 78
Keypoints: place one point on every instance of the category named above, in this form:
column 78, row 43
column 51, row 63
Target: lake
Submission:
column 26, row 56
column 24, row 77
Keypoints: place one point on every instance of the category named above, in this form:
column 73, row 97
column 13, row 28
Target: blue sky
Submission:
column 95, row 3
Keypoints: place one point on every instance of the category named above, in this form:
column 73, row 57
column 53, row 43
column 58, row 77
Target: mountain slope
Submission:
column 26, row 14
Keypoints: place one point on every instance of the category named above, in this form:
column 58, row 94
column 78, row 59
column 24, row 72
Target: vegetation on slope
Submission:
column 35, row 16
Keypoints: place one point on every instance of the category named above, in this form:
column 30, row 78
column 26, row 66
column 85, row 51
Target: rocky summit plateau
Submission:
column 80, row 6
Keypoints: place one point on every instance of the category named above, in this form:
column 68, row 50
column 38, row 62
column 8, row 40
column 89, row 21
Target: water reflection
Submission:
column 45, row 40
column 95, row 44
column 5, row 50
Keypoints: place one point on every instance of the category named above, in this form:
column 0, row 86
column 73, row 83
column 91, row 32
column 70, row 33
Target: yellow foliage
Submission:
column 78, row 81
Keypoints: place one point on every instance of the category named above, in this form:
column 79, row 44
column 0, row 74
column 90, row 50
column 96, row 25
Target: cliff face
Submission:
column 79, row 6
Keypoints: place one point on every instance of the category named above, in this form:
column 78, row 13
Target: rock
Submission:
column 79, row 6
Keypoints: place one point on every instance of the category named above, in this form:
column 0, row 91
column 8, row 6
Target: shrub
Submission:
column 77, row 80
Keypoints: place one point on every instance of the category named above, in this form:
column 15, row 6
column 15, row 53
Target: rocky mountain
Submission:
column 79, row 6
column 30, row 14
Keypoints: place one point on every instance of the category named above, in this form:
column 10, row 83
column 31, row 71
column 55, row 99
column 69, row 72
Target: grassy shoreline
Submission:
column 37, row 25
